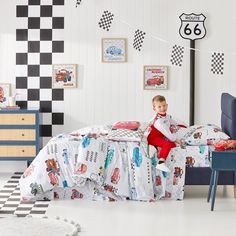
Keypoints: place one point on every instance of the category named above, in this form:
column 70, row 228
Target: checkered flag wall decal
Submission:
column 217, row 63
column 177, row 55
column 138, row 39
column 106, row 20
column 78, row 3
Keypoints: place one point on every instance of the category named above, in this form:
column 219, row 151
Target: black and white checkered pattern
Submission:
column 138, row 39
column 106, row 20
column 177, row 55
column 78, row 3
column 217, row 63
column 10, row 200
column 39, row 41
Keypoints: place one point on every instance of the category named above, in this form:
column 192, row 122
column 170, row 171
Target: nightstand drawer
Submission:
column 17, row 119
column 17, row 151
column 17, row 135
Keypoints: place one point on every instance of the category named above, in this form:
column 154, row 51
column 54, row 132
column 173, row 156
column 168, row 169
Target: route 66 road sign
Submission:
column 192, row 26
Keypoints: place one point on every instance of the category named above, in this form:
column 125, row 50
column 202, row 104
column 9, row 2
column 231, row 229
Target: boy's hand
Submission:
column 178, row 141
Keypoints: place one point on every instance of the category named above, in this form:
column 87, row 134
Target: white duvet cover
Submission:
column 97, row 168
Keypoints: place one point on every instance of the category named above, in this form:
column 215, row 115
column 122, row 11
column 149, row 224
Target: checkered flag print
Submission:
column 217, row 63
column 106, row 20
column 39, row 41
column 138, row 39
column 177, row 55
column 78, row 2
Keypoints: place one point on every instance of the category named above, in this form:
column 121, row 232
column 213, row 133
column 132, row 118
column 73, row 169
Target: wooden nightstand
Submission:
column 221, row 161
column 19, row 135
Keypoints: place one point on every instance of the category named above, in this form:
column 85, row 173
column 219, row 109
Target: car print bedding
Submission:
column 91, row 166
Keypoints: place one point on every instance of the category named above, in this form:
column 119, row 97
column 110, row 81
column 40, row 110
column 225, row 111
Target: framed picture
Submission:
column 155, row 77
column 64, row 76
column 114, row 50
column 4, row 94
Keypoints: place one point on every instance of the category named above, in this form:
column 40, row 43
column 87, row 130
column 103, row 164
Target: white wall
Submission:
column 111, row 92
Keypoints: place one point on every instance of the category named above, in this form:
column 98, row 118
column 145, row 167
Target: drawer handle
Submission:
column 22, row 118
column 23, row 135
column 23, row 150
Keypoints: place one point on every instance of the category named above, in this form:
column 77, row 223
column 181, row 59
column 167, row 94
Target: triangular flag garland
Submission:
column 177, row 55
column 217, row 63
column 138, row 39
column 106, row 20
column 78, row 3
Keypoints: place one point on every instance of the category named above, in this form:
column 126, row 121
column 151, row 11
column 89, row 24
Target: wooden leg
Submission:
column 234, row 191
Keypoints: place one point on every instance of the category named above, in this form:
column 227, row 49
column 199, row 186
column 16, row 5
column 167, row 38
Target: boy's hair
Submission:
column 159, row 98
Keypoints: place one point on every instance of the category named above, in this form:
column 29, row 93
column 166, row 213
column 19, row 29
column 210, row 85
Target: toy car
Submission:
column 155, row 81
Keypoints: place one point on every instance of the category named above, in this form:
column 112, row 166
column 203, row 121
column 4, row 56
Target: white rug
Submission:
column 30, row 226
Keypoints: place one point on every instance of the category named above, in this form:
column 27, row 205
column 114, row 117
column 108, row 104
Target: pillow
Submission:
column 204, row 135
column 125, row 135
column 225, row 145
column 132, row 125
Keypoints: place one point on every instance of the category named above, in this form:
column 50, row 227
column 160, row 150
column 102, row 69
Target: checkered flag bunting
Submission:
column 177, row 55
column 78, row 3
column 106, row 20
column 217, row 63
column 138, row 39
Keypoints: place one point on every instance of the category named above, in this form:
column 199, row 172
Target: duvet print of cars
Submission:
column 113, row 50
column 137, row 157
column 115, row 176
column 85, row 142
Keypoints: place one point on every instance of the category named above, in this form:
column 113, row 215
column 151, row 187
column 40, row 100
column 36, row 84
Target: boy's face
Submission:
column 160, row 107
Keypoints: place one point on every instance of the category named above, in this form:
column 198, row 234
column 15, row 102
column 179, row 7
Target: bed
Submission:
column 201, row 175
column 101, row 163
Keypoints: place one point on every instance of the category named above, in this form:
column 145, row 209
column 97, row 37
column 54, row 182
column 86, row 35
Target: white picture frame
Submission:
column 114, row 50
column 155, row 77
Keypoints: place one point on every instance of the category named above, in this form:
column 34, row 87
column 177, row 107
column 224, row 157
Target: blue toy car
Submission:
column 137, row 157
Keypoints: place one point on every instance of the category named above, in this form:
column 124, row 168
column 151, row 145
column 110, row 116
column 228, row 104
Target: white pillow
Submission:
column 204, row 134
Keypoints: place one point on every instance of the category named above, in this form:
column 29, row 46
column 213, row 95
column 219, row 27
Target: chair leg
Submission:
column 214, row 189
column 210, row 186
column 234, row 191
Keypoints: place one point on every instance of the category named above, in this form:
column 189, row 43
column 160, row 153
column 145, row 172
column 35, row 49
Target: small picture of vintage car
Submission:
column 113, row 50
column 115, row 176
column 63, row 75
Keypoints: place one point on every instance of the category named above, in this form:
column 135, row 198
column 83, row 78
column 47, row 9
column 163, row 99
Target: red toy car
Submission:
column 155, row 81
column 115, row 176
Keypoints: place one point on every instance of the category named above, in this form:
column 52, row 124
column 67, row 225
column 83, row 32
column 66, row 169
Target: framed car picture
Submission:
column 4, row 94
column 155, row 77
column 64, row 76
column 114, row 50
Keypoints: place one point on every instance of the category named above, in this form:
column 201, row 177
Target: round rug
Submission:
column 30, row 226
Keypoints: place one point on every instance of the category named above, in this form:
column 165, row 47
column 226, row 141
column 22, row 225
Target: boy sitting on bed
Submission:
column 160, row 134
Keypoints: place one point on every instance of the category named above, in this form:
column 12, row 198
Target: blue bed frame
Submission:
column 201, row 175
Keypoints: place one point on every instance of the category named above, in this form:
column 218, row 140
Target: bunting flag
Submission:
column 177, row 55
column 217, row 63
column 106, row 20
column 138, row 39
column 78, row 2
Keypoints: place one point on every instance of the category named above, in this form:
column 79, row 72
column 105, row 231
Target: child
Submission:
column 160, row 135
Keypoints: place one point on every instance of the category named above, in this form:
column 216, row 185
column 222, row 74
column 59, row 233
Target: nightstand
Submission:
column 220, row 161
column 19, row 135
